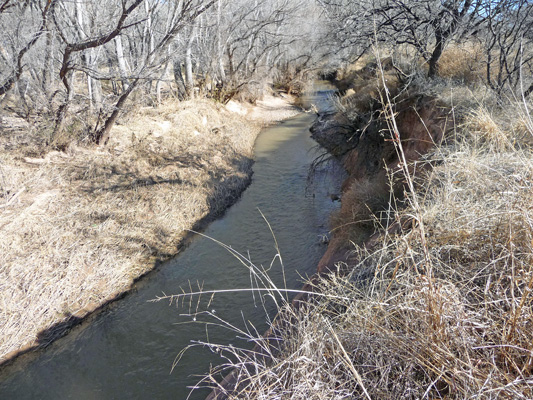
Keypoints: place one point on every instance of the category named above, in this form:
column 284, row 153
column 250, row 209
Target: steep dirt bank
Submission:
column 369, row 156
column 78, row 227
column 370, row 153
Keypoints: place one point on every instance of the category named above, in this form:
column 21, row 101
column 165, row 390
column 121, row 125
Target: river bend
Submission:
column 127, row 351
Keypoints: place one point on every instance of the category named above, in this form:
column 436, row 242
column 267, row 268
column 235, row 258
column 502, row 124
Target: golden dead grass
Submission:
column 441, row 309
column 464, row 62
column 483, row 128
column 76, row 228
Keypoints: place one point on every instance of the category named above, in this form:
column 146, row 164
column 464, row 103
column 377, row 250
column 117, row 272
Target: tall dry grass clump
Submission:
column 464, row 62
column 441, row 309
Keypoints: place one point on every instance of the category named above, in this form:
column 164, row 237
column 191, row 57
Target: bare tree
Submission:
column 249, row 42
column 509, row 43
column 425, row 25
column 92, row 58
column 183, row 14
column 20, row 10
column 147, row 50
column 85, row 43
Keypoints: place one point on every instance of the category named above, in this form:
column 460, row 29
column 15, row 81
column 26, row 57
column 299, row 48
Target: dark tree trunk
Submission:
column 101, row 137
column 528, row 91
column 180, row 82
column 49, row 65
column 435, row 56
column 63, row 109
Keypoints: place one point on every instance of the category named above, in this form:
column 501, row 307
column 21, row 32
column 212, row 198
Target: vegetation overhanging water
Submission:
column 128, row 350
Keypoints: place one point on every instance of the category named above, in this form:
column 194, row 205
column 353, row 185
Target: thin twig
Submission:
column 12, row 199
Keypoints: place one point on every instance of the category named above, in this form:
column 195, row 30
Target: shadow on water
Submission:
column 128, row 350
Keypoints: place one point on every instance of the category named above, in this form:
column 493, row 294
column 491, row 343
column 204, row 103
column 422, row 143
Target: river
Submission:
column 127, row 351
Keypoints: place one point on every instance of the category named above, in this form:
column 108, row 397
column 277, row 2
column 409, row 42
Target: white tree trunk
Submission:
column 164, row 74
column 189, row 80
column 96, row 85
column 80, row 17
column 220, row 46
column 121, row 62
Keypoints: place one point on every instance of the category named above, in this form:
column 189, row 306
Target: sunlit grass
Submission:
column 443, row 308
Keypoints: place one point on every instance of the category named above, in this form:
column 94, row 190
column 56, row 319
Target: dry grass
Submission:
column 464, row 62
column 483, row 128
column 76, row 227
column 366, row 198
column 442, row 310
column 497, row 129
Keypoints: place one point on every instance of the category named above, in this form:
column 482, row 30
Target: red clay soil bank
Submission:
column 367, row 152
column 368, row 155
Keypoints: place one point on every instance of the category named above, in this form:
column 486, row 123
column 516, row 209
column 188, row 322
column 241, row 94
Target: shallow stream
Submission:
column 127, row 351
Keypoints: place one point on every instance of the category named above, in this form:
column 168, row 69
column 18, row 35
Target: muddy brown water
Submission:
column 127, row 351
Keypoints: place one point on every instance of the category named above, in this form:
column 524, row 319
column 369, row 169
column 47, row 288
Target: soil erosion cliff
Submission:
column 359, row 134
